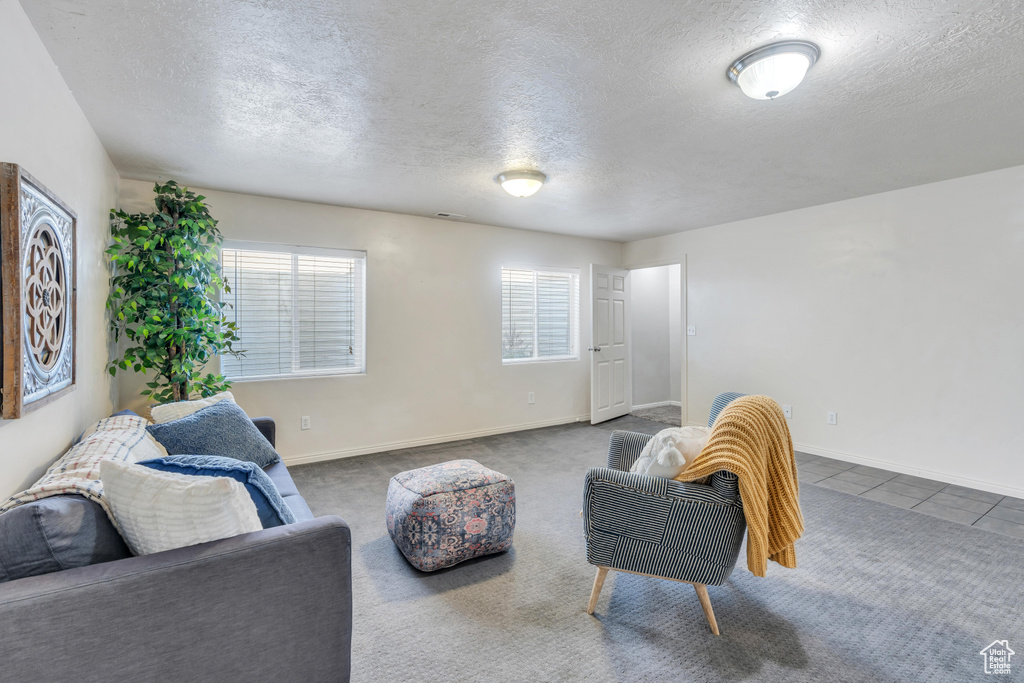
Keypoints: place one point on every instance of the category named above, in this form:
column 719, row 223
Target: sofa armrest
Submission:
column 268, row 428
column 275, row 604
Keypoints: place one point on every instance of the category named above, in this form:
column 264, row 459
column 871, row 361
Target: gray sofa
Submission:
column 274, row 605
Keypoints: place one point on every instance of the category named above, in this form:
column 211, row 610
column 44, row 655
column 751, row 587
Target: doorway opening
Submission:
column 657, row 343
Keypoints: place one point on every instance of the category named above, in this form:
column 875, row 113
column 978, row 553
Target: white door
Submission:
column 611, row 384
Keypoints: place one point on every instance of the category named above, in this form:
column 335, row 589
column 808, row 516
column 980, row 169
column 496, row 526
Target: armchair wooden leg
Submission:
column 705, row 604
column 598, row 584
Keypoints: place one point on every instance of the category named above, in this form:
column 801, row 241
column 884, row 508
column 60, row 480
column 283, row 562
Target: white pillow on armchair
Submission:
column 671, row 451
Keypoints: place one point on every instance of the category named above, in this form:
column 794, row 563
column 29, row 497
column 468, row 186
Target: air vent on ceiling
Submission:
column 445, row 214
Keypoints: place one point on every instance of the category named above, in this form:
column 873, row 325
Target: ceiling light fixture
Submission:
column 521, row 183
column 773, row 70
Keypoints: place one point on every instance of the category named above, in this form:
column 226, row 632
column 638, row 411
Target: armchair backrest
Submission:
column 720, row 402
column 625, row 447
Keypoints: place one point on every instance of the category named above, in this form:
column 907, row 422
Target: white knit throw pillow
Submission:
column 158, row 511
column 671, row 451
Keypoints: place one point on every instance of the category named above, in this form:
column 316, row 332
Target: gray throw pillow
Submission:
column 56, row 533
column 222, row 429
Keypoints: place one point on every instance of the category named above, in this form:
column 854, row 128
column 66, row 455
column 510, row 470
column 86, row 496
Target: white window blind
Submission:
column 540, row 317
column 300, row 311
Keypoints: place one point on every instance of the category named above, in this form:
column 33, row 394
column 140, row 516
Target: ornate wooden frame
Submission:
column 38, row 273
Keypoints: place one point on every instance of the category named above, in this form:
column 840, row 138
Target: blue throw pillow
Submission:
column 272, row 509
column 221, row 429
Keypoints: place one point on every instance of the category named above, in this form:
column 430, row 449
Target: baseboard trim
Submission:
column 979, row 484
column 428, row 441
column 675, row 404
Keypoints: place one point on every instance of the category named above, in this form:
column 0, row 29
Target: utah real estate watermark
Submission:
column 997, row 657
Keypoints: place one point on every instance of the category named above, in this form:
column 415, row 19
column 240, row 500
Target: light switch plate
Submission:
column 832, row 417
column 788, row 410
column 691, row 330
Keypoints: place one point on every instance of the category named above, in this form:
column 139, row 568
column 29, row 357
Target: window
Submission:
column 300, row 311
column 540, row 314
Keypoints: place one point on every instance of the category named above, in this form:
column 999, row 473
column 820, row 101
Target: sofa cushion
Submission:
column 221, row 429
column 272, row 509
column 55, row 533
column 282, row 479
column 297, row 504
column 159, row 511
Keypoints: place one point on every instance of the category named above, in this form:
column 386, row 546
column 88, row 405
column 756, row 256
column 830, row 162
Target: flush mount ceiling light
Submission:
column 521, row 183
column 773, row 70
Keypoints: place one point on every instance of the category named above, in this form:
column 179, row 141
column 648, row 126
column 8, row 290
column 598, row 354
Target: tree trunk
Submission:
column 179, row 391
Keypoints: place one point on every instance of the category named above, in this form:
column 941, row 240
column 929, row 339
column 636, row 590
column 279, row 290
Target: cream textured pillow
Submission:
column 168, row 412
column 157, row 511
column 671, row 451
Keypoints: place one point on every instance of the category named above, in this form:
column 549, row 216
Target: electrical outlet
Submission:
column 832, row 419
column 788, row 410
column 691, row 330
column 529, row 398
column 305, row 422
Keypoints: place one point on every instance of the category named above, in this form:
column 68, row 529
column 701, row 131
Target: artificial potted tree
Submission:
column 165, row 295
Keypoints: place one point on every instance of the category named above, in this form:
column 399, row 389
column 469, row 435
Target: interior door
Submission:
column 611, row 383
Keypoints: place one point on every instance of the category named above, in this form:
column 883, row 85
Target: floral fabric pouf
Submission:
column 444, row 514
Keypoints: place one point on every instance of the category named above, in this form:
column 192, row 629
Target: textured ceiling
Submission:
column 413, row 106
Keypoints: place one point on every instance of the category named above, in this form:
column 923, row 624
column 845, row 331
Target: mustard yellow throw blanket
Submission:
column 750, row 438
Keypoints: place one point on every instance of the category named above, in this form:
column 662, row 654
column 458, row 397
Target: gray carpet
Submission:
column 881, row 593
column 670, row 415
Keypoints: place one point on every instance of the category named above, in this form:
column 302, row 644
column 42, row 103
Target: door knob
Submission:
column 594, row 348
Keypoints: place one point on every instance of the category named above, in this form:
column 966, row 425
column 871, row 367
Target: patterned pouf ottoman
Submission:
column 445, row 514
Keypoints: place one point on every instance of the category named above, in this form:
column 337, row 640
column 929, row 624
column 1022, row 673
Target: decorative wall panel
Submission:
column 37, row 291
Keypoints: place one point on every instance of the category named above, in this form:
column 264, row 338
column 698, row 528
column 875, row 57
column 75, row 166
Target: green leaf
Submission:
column 164, row 296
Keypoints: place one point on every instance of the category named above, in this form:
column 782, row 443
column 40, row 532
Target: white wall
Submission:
column 901, row 311
column 657, row 334
column 652, row 382
column 434, row 367
column 675, row 332
column 43, row 130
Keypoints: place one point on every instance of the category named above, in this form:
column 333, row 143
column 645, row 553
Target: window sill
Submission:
column 295, row 375
column 531, row 361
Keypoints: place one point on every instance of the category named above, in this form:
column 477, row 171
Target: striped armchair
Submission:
column 659, row 527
